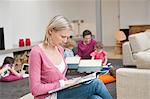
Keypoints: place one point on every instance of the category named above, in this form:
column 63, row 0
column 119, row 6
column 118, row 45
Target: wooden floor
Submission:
column 112, row 53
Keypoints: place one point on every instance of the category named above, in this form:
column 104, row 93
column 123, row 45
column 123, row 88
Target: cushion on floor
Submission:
column 107, row 78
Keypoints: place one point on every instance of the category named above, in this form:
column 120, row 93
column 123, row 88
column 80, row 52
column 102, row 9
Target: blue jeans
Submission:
column 94, row 90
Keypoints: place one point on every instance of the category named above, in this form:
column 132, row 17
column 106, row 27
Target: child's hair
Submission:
column 18, row 63
column 99, row 45
column 8, row 60
column 69, row 43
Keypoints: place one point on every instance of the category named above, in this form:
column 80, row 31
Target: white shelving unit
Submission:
column 10, row 52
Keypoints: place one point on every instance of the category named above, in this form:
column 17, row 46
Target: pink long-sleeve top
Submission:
column 43, row 74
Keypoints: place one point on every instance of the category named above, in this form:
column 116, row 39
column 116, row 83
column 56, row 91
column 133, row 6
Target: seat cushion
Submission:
column 148, row 34
column 143, row 59
column 133, row 83
column 27, row 96
column 139, row 42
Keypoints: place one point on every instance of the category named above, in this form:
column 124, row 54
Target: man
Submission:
column 86, row 46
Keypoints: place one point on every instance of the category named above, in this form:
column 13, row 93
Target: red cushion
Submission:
column 107, row 78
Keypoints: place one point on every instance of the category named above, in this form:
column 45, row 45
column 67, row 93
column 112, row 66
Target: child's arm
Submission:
column 92, row 58
column 92, row 55
column 4, row 69
column 15, row 72
column 105, row 62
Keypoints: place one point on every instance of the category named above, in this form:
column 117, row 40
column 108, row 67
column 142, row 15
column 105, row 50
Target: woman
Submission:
column 86, row 46
column 47, row 67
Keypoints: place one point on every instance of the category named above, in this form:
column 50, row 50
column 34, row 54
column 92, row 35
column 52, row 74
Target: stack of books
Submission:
column 84, row 65
column 73, row 62
column 89, row 66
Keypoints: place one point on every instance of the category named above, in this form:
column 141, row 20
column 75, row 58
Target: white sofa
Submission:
column 133, row 83
column 137, row 50
column 27, row 96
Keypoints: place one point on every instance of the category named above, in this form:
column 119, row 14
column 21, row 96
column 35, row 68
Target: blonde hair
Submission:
column 58, row 23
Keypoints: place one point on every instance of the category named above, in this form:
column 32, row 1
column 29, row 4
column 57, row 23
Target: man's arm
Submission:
column 79, row 52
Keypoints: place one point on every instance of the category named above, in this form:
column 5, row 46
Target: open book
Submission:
column 88, row 65
column 72, row 60
column 5, row 70
column 81, row 80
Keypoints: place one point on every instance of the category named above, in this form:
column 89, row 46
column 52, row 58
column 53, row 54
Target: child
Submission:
column 21, row 62
column 99, row 53
column 8, row 72
column 18, row 63
column 69, row 45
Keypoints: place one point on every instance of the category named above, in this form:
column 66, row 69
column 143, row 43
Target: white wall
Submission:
column 110, row 21
column 28, row 18
column 6, row 22
column 130, row 12
column 133, row 12
column 148, row 6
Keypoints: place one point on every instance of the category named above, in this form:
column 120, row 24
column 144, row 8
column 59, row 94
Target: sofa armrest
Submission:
column 133, row 83
column 127, row 54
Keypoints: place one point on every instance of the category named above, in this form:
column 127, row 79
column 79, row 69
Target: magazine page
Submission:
column 78, row 81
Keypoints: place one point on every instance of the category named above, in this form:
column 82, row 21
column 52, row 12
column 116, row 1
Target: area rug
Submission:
column 17, row 89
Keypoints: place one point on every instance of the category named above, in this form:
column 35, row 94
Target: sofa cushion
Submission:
column 27, row 96
column 139, row 42
column 143, row 59
column 148, row 34
column 133, row 83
